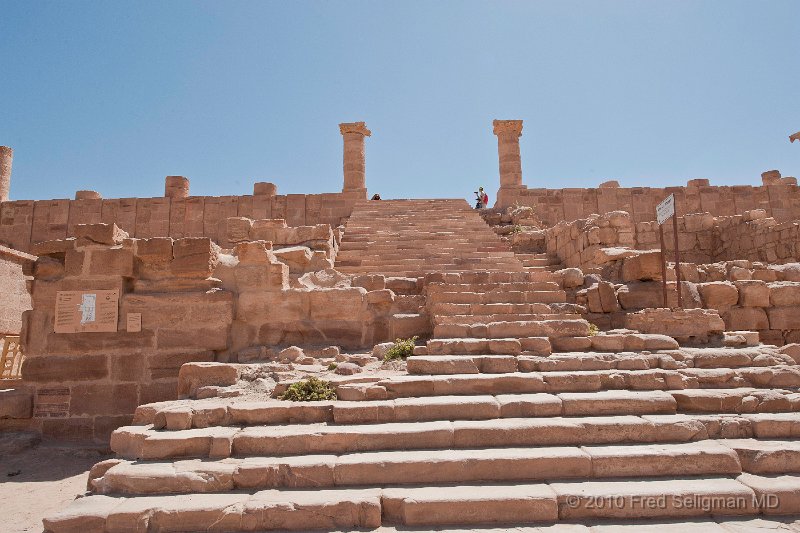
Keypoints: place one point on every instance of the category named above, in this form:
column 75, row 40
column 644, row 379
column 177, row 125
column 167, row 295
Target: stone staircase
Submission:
column 499, row 313
column 539, row 261
column 690, row 434
column 409, row 238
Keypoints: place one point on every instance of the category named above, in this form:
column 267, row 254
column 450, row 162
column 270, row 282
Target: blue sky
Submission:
column 113, row 96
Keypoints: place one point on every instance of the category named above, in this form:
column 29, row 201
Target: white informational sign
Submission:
column 665, row 209
column 87, row 307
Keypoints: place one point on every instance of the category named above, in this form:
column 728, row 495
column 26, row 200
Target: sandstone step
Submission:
column 219, row 417
column 515, row 297
column 143, row 442
column 486, row 407
column 515, row 286
column 484, row 319
column 739, row 400
column 502, row 364
column 260, row 511
column 725, row 390
column 775, row 495
column 444, row 466
column 473, row 346
column 446, row 308
column 767, row 456
column 505, row 329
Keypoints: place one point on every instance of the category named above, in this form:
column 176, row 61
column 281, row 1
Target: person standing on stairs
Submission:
column 481, row 198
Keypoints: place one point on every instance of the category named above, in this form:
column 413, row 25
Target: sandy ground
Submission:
column 46, row 479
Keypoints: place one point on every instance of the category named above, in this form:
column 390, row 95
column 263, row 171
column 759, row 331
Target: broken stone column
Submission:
column 87, row 195
column 771, row 177
column 354, row 159
column 264, row 188
column 6, row 156
column 508, row 133
column 176, row 187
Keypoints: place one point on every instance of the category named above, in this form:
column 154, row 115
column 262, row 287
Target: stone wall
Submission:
column 26, row 222
column 197, row 303
column 584, row 243
column 595, row 241
column 15, row 298
column 780, row 198
column 748, row 296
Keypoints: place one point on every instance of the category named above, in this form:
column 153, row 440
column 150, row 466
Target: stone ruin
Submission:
column 544, row 374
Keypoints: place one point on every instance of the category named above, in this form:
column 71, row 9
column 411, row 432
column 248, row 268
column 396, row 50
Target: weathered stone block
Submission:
column 285, row 306
column 194, row 257
column 99, row 234
column 371, row 282
column 254, row 253
column 337, row 304
column 718, row 295
column 16, row 404
column 746, row 318
column 784, row 293
column 676, row 323
column 115, row 261
column 753, row 293
column 195, row 375
column 103, row 399
column 645, row 266
column 783, row 318
column 264, row 277
column 61, row 368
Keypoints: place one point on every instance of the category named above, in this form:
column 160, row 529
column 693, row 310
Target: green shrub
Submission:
column 332, row 366
column 311, row 390
column 593, row 330
column 401, row 349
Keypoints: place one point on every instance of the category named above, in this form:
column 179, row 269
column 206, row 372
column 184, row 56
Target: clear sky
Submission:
column 113, row 96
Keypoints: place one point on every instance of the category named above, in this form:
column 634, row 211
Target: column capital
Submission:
column 354, row 127
column 513, row 127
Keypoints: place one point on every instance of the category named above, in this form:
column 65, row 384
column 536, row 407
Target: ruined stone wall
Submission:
column 749, row 296
column 581, row 243
column 702, row 238
column 26, row 222
column 197, row 304
column 779, row 198
column 15, row 298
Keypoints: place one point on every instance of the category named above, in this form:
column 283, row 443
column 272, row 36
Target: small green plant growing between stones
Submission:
column 401, row 349
column 311, row 390
column 593, row 330
column 516, row 229
column 332, row 366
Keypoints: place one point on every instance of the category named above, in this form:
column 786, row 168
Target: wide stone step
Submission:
column 502, row 364
column 485, row 319
column 445, row 346
column 218, row 418
column 727, row 388
column 261, row 511
column 447, row 309
column 143, row 442
column 422, row 466
column 486, row 407
column 513, row 297
column 516, row 286
column 504, row 329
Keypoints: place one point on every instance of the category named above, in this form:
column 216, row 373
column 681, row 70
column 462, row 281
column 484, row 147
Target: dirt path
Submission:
column 43, row 480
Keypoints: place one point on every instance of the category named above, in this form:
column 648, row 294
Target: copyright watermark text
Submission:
column 706, row 503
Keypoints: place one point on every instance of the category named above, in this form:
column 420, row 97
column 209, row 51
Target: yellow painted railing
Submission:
column 10, row 357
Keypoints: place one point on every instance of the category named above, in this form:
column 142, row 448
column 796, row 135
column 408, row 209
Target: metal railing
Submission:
column 10, row 357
